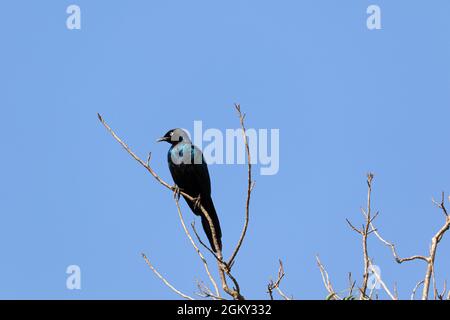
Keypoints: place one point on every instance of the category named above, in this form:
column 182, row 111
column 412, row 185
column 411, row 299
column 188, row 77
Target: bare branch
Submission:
column 276, row 285
column 353, row 227
column 135, row 157
column 441, row 205
column 379, row 280
column 164, row 280
column 433, row 249
column 365, row 234
column 205, row 292
column 352, row 284
column 223, row 267
column 430, row 259
column 205, row 263
column 441, row 295
column 395, row 291
column 326, row 281
column 204, row 245
column 394, row 251
column 435, row 292
column 250, row 186
column 413, row 294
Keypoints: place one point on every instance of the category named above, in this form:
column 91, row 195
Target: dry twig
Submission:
column 365, row 232
column 381, row 282
column 413, row 294
column 332, row 295
column 276, row 285
column 164, row 279
column 202, row 258
column 250, row 185
column 430, row 259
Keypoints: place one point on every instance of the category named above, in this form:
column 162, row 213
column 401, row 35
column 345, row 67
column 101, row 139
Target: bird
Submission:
column 190, row 174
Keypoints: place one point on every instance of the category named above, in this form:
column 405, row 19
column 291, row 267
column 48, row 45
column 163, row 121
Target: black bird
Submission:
column 190, row 173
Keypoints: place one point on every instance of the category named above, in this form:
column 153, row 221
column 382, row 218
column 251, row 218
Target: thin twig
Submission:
column 250, row 186
column 164, row 279
column 441, row 205
column 379, row 280
column 413, row 294
column 365, row 232
column 205, row 292
column 205, row 263
column 352, row 284
column 430, row 259
column 395, row 291
column 276, row 285
column 353, row 227
column 223, row 268
column 326, row 281
column 444, row 290
column 205, row 245
column 394, row 251
column 441, row 295
column 365, row 235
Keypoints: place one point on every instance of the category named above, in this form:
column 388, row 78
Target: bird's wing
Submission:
column 193, row 177
column 201, row 173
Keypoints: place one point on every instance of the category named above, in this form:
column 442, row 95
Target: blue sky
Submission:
column 347, row 100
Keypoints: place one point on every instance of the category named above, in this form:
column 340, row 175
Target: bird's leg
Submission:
column 197, row 202
column 176, row 192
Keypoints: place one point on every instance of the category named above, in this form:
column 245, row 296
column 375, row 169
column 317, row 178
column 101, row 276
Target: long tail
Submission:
column 208, row 204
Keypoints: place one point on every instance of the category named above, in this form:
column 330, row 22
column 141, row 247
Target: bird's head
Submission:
column 175, row 136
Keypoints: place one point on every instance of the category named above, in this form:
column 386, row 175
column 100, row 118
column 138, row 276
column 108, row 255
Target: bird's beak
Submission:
column 162, row 139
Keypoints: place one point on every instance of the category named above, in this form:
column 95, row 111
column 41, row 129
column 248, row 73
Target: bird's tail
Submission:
column 209, row 207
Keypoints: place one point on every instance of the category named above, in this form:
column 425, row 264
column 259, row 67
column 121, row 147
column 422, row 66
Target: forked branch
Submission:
column 276, row 285
column 430, row 259
column 224, row 267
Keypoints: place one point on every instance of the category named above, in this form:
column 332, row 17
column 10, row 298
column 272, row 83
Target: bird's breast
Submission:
column 184, row 154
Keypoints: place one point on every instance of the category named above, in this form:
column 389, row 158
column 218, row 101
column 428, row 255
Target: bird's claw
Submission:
column 176, row 192
column 197, row 202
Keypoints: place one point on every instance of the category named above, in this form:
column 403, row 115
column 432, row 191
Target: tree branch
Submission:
column 164, row 280
column 430, row 259
column 365, row 232
column 202, row 258
column 378, row 278
column 433, row 249
column 250, row 185
column 224, row 269
column 276, row 285
column 326, row 281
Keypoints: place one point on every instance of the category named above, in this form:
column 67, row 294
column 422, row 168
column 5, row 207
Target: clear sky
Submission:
column 346, row 99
